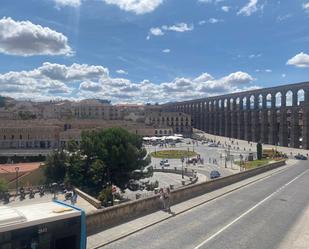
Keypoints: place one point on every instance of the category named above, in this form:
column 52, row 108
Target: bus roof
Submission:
column 12, row 218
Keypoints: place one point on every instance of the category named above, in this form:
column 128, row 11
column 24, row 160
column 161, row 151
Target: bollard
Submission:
column 116, row 202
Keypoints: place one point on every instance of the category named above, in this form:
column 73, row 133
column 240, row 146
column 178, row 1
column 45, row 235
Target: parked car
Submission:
column 300, row 157
column 214, row 174
column 192, row 160
column 212, row 145
column 162, row 162
column 166, row 164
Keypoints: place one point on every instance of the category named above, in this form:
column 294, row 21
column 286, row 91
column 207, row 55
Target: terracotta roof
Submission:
column 23, row 167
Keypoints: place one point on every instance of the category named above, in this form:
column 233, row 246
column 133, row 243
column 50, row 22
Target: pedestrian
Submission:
column 162, row 199
column 74, row 197
column 167, row 200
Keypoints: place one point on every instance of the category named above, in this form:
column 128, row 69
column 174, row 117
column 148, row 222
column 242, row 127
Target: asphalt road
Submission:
column 259, row 216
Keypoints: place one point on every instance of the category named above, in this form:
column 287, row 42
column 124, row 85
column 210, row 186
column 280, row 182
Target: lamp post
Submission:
column 54, row 189
column 17, row 170
column 182, row 160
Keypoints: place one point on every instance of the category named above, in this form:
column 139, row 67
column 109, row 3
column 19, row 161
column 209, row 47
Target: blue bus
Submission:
column 52, row 225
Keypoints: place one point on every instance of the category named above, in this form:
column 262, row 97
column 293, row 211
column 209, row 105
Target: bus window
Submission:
column 67, row 243
column 6, row 246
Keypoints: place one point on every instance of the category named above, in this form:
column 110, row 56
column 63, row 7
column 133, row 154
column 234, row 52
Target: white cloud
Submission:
column 263, row 70
column 249, row 8
column 253, row 56
column 26, row 39
column 205, row 1
column 68, row 3
column 210, row 1
column 283, row 18
column 167, row 50
column 214, row 20
column 139, row 7
column 179, row 27
column 225, row 8
column 156, row 32
column 121, row 71
column 90, row 86
column 50, row 80
column 72, row 73
column 202, row 22
column 79, row 81
column 306, row 6
column 299, row 60
column 283, row 75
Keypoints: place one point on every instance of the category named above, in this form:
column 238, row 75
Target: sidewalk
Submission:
column 115, row 233
column 243, row 144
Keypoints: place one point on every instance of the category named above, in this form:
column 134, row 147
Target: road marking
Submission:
column 249, row 211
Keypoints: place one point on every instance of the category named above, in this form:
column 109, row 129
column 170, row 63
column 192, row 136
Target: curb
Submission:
column 190, row 208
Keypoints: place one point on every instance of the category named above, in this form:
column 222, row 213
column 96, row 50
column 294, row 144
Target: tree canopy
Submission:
column 104, row 157
column 3, row 186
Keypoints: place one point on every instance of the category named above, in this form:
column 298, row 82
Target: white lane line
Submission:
column 249, row 211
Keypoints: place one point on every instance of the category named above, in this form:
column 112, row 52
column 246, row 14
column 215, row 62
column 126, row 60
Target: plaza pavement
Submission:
column 242, row 144
column 207, row 153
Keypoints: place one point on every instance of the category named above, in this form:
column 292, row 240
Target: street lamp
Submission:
column 17, row 170
column 182, row 160
column 54, row 189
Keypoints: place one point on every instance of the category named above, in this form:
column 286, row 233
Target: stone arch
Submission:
column 252, row 102
column 244, row 103
column 210, row 106
column 278, row 98
column 300, row 96
column 225, row 103
column 260, row 101
column 289, row 98
column 231, row 104
column 268, row 101
column 215, row 105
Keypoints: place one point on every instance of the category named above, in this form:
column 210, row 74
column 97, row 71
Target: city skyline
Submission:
column 150, row 51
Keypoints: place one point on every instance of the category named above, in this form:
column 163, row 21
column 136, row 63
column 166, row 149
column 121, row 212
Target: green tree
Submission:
column 122, row 152
column 55, row 168
column 259, row 150
column 104, row 158
column 3, row 186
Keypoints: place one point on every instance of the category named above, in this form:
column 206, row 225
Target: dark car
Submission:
column 214, row 174
column 300, row 157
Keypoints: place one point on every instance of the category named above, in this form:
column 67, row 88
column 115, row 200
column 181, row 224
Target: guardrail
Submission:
column 93, row 201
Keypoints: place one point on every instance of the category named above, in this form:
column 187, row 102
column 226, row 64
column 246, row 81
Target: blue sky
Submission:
column 139, row 51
